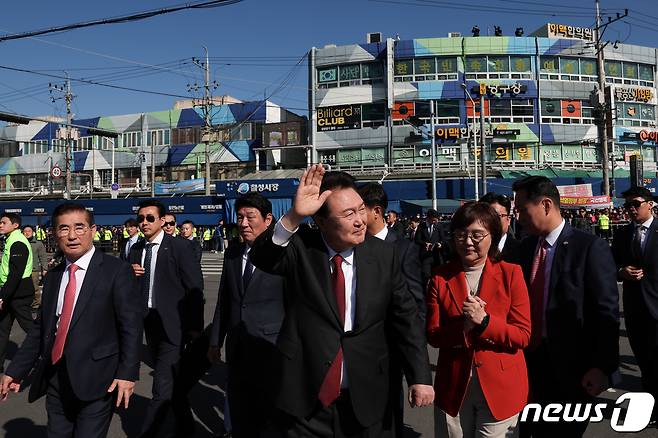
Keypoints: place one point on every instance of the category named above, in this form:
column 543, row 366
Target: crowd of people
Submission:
column 319, row 321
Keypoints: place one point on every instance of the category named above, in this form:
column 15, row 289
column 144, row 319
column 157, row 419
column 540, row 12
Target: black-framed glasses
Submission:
column 149, row 218
column 635, row 203
column 505, row 215
column 170, row 223
column 462, row 236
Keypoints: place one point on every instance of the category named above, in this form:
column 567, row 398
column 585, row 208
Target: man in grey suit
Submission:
column 249, row 314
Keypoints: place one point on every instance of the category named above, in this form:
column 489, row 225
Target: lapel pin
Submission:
column 566, row 242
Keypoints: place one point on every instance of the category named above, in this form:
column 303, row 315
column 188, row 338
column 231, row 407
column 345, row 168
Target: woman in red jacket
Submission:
column 478, row 315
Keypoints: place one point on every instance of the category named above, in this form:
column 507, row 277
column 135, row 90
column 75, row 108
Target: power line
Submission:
column 100, row 84
column 120, row 19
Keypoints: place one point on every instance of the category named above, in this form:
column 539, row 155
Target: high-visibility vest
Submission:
column 97, row 236
column 107, row 235
column 206, row 235
column 604, row 222
column 13, row 237
column 125, row 233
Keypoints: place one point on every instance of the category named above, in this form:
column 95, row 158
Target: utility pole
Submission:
column 483, row 149
column 603, row 109
column 433, row 143
column 70, row 133
column 207, row 108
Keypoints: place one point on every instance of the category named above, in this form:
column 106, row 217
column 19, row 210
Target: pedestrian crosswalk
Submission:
column 211, row 264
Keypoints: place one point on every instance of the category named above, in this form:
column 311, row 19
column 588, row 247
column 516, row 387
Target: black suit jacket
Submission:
column 105, row 334
column 122, row 249
column 252, row 318
column 512, row 250
column 436, row 256
column 582, row 313
column 408, row 255
column 312, row 331
column 196, row 247
column 648, row 285
column 178, row 287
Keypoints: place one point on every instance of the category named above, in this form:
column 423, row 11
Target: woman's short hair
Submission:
column 481, row 212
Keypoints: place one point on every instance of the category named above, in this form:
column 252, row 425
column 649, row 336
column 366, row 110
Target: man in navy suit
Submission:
column 171, row 286
column 249, row 313
column 375, row 199
column 635, row 248
column 87, row 336
column 509, row 247
column 571, row 277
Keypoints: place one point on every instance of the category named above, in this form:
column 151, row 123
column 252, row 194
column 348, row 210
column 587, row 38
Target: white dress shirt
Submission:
column 551, row 239
column 382, row 234
column 245, row 255
column 157, row 243
column 501, row 244
column 282, row 236
column 131, row 241
column 644, row 232
column 83, row 267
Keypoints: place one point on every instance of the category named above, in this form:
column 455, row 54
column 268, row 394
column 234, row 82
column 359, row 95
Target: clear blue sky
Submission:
column 266, row 34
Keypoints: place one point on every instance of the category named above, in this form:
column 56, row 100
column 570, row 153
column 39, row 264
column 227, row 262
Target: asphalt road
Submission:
column 19, row 419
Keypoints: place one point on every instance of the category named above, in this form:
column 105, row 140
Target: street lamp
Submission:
column 473, row 135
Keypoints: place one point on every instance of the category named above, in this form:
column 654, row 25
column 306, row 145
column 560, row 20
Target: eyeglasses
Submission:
column 170, row 223
column 149, row 217
column 79, row 230
column 476, row 238
column 635, row 203
column 503, row 216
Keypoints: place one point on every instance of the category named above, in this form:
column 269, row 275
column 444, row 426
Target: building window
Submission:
column 107, row 143
column 636, row 114
column 567, row 112
column 367, row 73
column 562, row 68
column 498, row 67
column 373, row 115
column 190, row 135
column 85, row 144
column 158, row 137
column 425, row 69
column 629, row 73
column 131, row 139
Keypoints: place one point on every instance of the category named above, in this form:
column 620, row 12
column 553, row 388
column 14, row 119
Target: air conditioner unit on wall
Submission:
column 454, row 34
column 374, row 37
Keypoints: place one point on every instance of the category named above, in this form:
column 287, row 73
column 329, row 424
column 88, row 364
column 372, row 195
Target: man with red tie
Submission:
column 88, row 334
column 348, row 305
column 574, row 309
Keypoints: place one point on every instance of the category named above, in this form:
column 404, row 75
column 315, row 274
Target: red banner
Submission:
column 584, row 201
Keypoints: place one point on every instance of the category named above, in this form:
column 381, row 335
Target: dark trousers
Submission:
column 251, row 384
column 14, row 309
column 546, row 387
column 642, row 331
column 165, row 356
column 70, row 417
column 335, row 421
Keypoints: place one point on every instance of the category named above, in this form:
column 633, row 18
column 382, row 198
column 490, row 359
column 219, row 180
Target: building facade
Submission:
column 540, row 113
column 168, row 145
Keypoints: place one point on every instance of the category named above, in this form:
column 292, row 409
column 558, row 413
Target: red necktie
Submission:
column 65, row 317
column 330, row 389
column 537, row 283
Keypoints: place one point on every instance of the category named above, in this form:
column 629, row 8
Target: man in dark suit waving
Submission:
column 571, row 277
column 635, row 248
column 249, row 314
column 87, row 335
column 348, row 303
column 171, row 286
